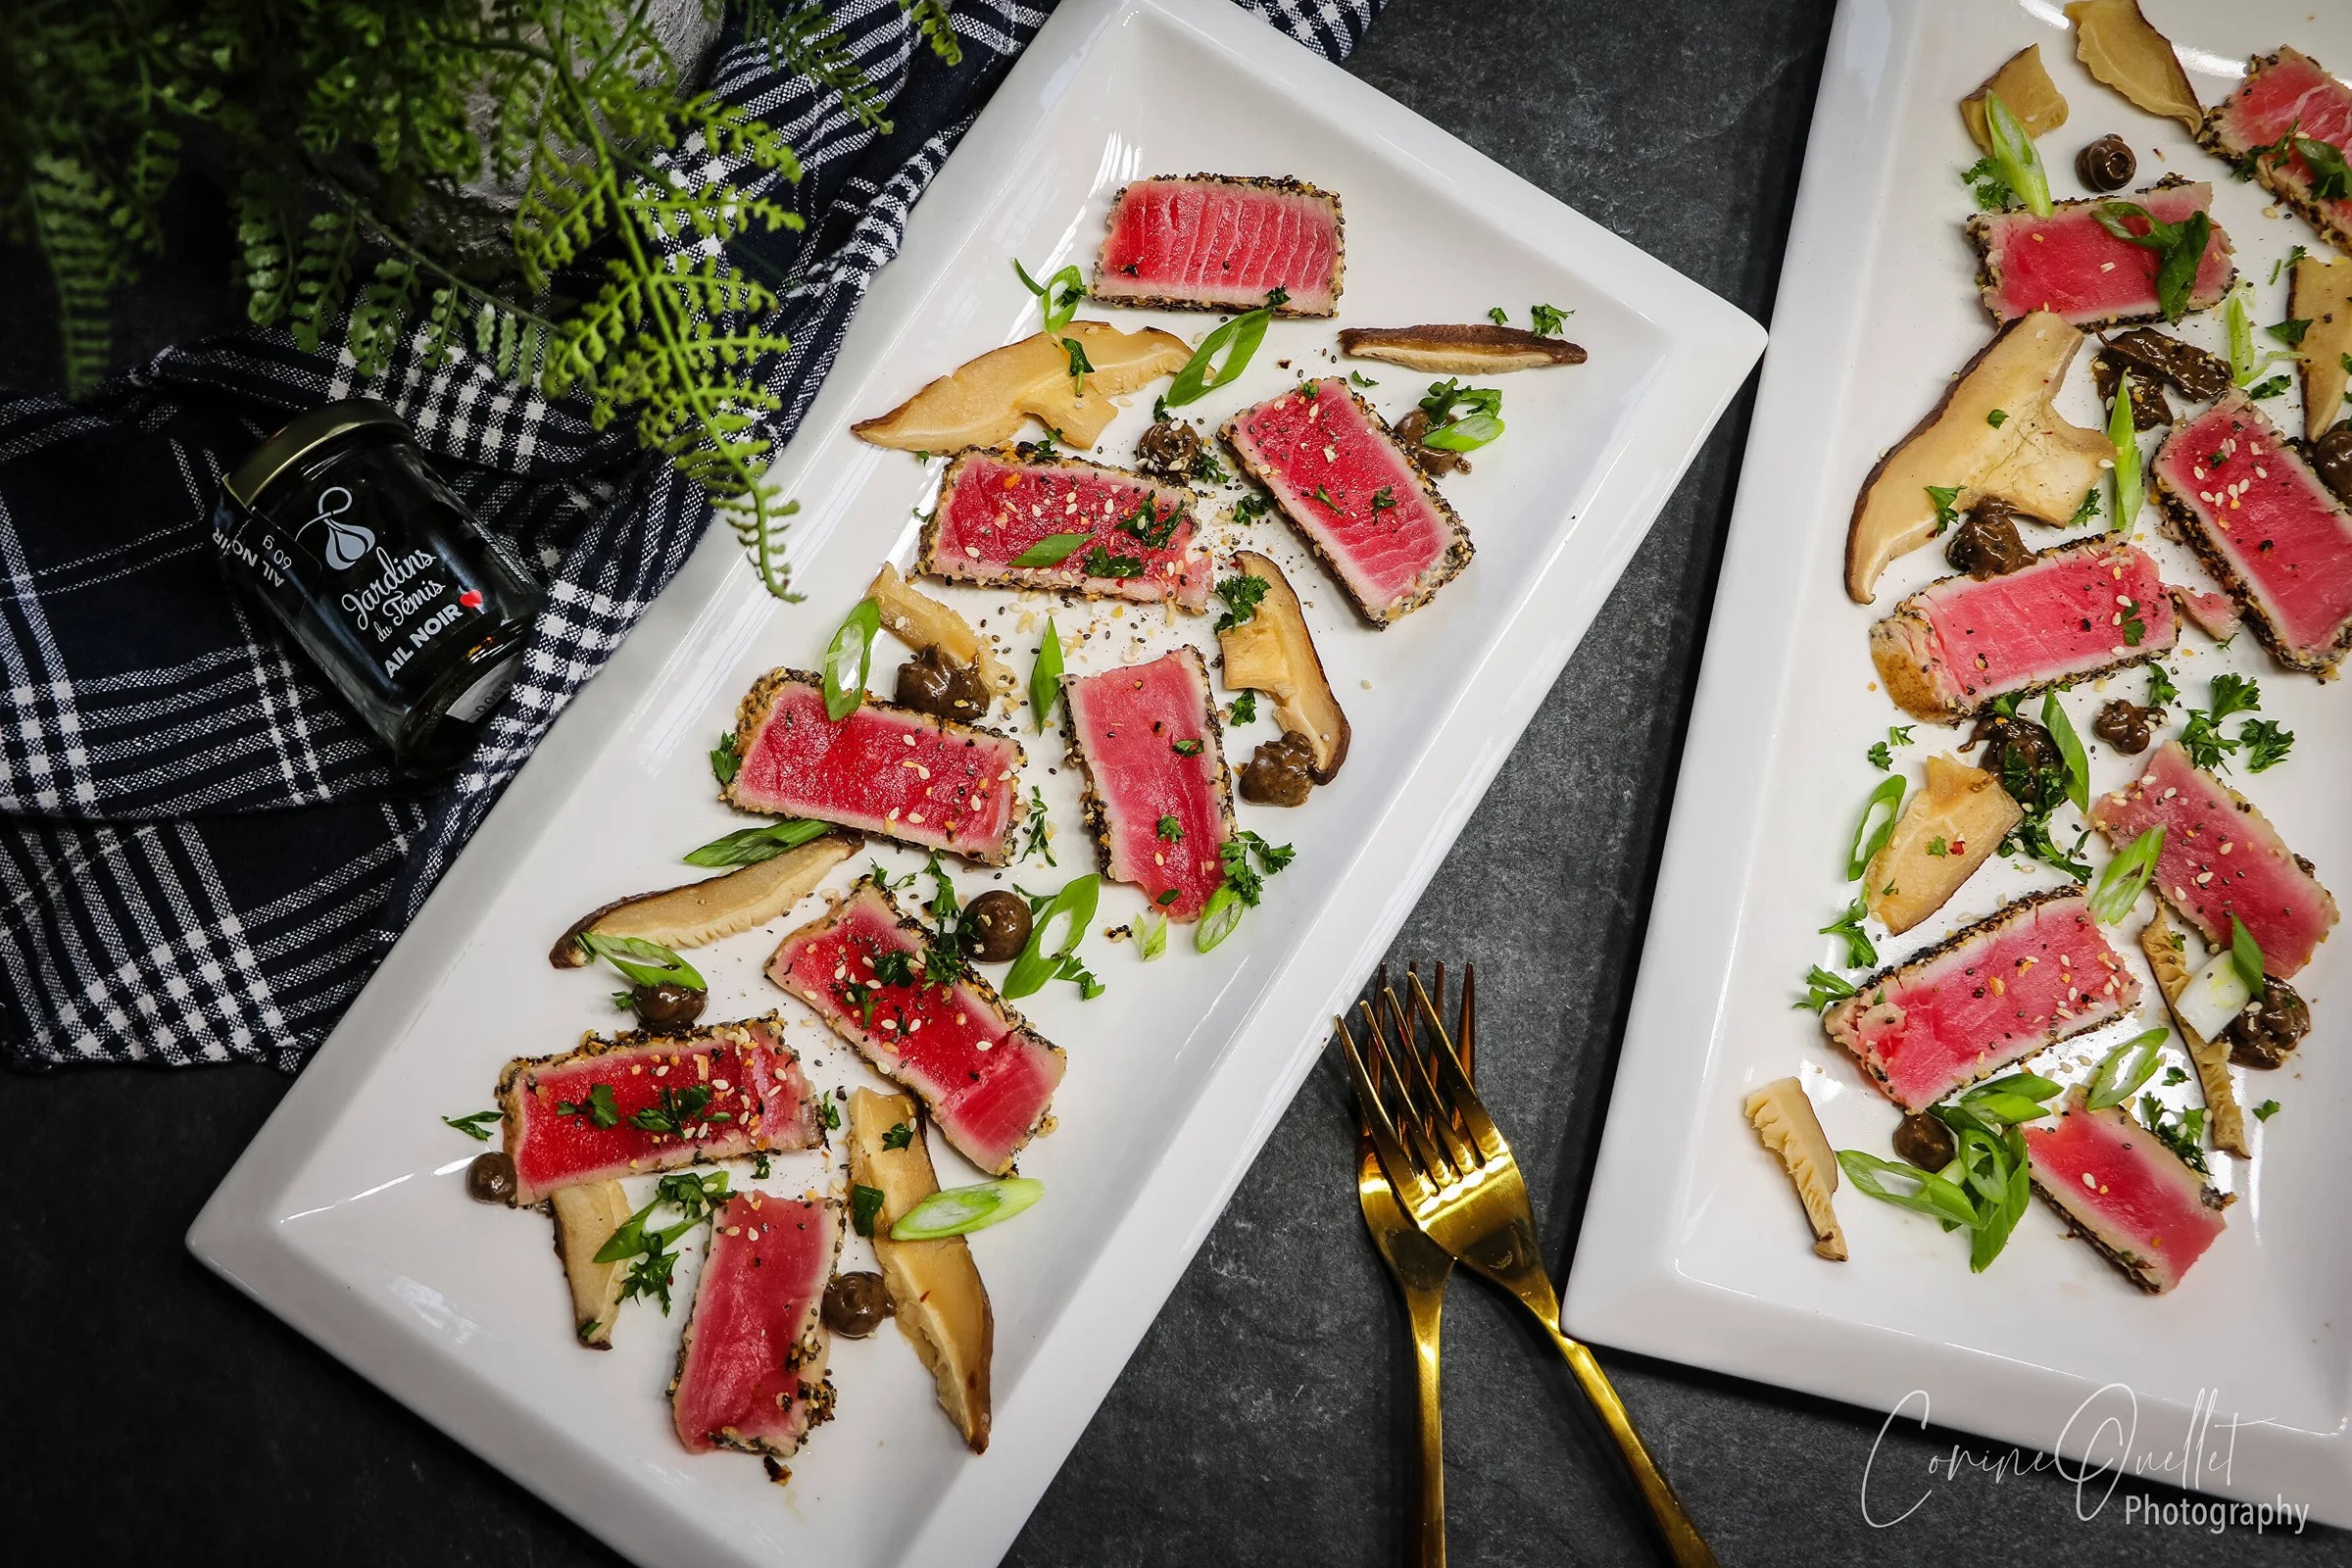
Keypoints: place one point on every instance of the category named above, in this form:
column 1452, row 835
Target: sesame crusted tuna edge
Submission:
column 2186, row 524
column 869, row 1049
column 1448, row 567
column 1988, row 278
column 2132, row 1266
column 809, row 1350
column 516, row 1079
column 759, row 702
column 2212, row 137
column 1837, row 1022
column 1284, row 184
column 1091, row 806
column 1057, row 579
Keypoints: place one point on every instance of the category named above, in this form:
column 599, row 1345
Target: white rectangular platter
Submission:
column 2239, row 1382
column 347, row 1215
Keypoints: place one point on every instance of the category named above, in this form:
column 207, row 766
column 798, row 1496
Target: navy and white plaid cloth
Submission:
column 203, row 854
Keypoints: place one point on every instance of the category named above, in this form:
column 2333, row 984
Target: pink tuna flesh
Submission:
column 984, row 1074
column 2275, row 535
column 2287, row 92
column 886, row 770
column 2125, row 1192
column 2221, row 856
column 1157, row 797
column 992, row 509
column 1354, row 495
column 731, row 1090
column 752, row 1360
column 2068, row 612
column 2000, row 990
column 1221, row 243
column 2068, row 264
column 2215, row 614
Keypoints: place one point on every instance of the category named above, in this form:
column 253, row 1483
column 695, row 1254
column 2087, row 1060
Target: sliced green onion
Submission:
column 1934, row 1196
column 2014, row 151
column 2245, row 954
column 1218, row 916
column 2242, row 365
column 1238, row 339
column 2004, row 1211
column 960, row 1210
column 850, row 660
column 2016, row 1098
column 645, row 963
column 1151, row 934
column 2210, row 1003
column 2123, row 878
column 749, row 846
column 1045, row 677
column 2070, row 746
column 1052, row 550
column 1867, row 839
column 1465, row 434
column 2124, row 1069
column 2125, row 440
column 1069, row 283
column 1037, row 964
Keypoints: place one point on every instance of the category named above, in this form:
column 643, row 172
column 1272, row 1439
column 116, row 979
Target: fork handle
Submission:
column 1428, row 1492
column 1683, row 1540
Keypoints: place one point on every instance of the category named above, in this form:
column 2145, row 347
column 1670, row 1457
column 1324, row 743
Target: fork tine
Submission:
column 1431, row 1118
column 1460, row 1094
column 1468, row 1026
column 1458, row 1148
column 1417, row 1121
column 1410, row 1184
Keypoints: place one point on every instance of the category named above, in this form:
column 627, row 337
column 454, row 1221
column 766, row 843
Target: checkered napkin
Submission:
column 202, row 855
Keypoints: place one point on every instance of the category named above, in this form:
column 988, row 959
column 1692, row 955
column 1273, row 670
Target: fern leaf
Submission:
column 73, row 222
column 322, row 277
column 809, row 43
column 440, row 325
column 378, row 315
column 931, row 17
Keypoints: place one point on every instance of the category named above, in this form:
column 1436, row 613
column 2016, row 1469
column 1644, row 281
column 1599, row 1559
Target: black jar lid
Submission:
column 302, row 433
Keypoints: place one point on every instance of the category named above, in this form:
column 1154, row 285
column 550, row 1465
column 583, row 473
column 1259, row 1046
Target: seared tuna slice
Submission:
column 1214, row 242
column 1158, row 798
column 2075, row 611
column 2267, row 528
column 751, row 1373
column 985, row 1076
column 892, row 772
column 1140, row 542
column 2069, row 265
column 2221, row 858
column 646, row 1103
column 2283, row 93
column 2124, row 1192
column 1355, row 496
column 2027, row 977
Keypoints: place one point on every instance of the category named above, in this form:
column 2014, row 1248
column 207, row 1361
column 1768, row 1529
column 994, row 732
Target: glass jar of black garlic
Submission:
column 412, row 611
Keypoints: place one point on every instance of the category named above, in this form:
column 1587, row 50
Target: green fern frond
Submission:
column 75, row 222
column 441, row 325
column 809, row 43
column 380, row 314
column 938, row 29
column 266, row 248
column 323, row 275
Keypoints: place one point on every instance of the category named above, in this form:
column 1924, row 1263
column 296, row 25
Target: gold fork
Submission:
column 1421, row 1267
column 1456, row 1178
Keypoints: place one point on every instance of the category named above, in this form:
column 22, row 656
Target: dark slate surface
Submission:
column 1265, row 1417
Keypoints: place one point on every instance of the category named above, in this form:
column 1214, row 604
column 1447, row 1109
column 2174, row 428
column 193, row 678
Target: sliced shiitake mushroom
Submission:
column 935, row 1288
column 2320, row 292
column 1273, row 653
column 586, row 1216
column 1466, row 348
column 2026, row 92
column 2033, row 459
column 985, row 401
column 922, row 621
column 717, row 907
column 1949, row 828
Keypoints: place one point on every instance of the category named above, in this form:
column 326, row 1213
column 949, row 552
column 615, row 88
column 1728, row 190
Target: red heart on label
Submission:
column 472, row 599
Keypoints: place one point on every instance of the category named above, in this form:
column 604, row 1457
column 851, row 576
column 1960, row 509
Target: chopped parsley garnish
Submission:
column 857, row 995
column 1822, row 988
column 1998, row 417
column 478, row 1126
column 1206, row 469
column 1242, row 596
column 1101, row 563
column 1251, row 508
column 1383, row 499
column 2088, row 509
column 830, row 1109
column 2265, row 743
column 2134, row 628
column 2283, row 264
column 1938, row 848
column 1472, row 430
column 761, row 1168
column 1036, row 827
column 1148, row 527
column 673, row 1110
column 1860, row 952
column 725, row 760
column 1079, row 365
column 1943, row 494
column 2331, row 176
column 866, row 1205
column 895, row 967
column 2162, row 692
column 600, row 1110
column 2203, row 738
column 1244, row 708
column 2173, row 1075
column 1880, row 755
column 898, row 1136
column 1545, row 321
column 1185, row 748
column 2290, row 331
column 2265, row 1110
column 1498, row 316
column 2270, row 388
column 1324, row 496
column 653, row 1265
column 1984, row 183
column 1168, row 829
column 2185, row 1137
column 1244, row 885
column 1359, row 379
